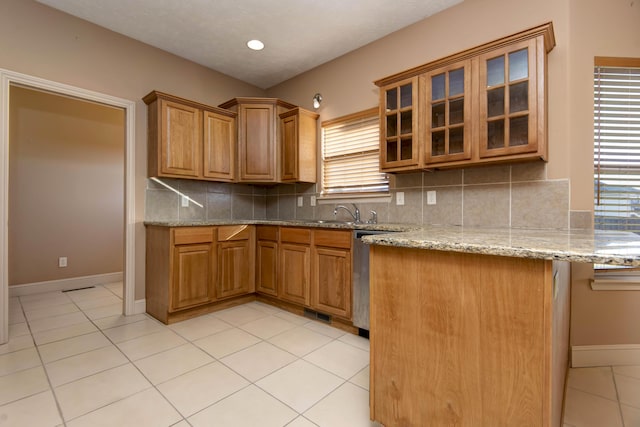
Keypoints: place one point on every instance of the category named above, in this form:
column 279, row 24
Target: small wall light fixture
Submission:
column 317, row 99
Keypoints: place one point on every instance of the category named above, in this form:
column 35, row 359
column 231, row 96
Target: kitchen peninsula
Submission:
column 471, row 326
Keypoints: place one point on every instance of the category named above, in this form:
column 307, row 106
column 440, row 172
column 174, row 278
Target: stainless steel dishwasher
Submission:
column 361, row 280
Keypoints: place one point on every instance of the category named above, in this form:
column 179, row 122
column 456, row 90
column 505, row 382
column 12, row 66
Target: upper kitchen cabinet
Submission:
column 400, row 147
column 299, row 135
column 448, row 113
column 219, row 145
column 512, row 100
column 259, row 147
column 485, row 104
column 189, row 140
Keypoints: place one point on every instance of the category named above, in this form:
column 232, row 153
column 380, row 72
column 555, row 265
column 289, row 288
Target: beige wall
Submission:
column 597, row 28
column 347, row 85
column 583, row 29
column 42, row 42
column 39, row 41
column 66, row 187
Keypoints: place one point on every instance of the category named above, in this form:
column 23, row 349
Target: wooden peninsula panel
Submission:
column 462, row 339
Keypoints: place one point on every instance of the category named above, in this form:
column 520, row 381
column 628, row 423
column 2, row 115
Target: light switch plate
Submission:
column 400, row 198
column 431, row 197
column 184, row 201
column 62, row 261
column 313, row 200
column 300, row 201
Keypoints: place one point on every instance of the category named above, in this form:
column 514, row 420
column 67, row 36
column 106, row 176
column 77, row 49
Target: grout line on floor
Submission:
column 44, row 369
column 615, row 385
column 136, row 368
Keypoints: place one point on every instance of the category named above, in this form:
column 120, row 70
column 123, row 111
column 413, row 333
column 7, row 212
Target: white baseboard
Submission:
column 140, row 306
column 64, row 284
column 583, row 356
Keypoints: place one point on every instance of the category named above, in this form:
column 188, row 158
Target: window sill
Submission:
column 361, row 198
column 616, row 282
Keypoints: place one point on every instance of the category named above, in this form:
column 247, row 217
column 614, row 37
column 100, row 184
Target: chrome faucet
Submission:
column 373, row 218
column 355, row 214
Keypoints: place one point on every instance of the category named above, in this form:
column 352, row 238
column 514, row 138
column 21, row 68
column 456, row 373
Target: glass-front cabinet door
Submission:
column 448, row 113
column 399, row 145
column 508, row 100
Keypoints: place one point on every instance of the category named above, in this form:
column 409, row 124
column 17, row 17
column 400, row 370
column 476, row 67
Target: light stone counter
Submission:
column 290, row 223
column 602, row 247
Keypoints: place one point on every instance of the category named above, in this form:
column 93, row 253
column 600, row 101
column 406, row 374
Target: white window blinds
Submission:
column 617, row 145
column 351, row 155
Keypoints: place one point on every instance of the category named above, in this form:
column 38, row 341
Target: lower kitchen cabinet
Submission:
column 331, row 286
column 180, row 269
column 236, row 261
column 315, row 269
column 193, row 274
column 267, row 260
column 191, row 270
column 295, row 265
column 467, row 339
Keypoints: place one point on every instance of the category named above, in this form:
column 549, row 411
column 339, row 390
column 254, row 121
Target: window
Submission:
column 617, row 144
column 351, row 155
column 616, row 112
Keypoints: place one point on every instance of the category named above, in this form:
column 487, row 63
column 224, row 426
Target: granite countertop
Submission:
column 589, row 246
column 601, row 247
column 291, row 223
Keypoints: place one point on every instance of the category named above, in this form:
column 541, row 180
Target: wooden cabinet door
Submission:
column 193, row 275
column 267, row 268
column 219, row 146
column 289, row 129
column 234, row 273
column 236, row 258
column 448, row 113
column 298, row 134
column 295, row 274
column 511, row 83
column 331, row 285
column 180, row 139
column 257, row 142
column 399, row 126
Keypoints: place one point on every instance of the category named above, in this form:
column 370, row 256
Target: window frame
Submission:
column 608, row 277
column 350, row 119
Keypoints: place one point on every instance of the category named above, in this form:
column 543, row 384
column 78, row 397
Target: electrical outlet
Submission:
column 400, row 198
column 62, row 261
column 431, row 197
column 313, row 200
column 184, row 201
column 300, row 201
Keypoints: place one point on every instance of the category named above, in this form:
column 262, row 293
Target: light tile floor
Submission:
column 73, row 360
column 603, row 396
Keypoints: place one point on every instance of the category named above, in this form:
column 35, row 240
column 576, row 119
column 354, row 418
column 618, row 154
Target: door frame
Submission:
column 7, row 78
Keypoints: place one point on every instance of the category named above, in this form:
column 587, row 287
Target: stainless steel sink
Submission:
column 330, row 221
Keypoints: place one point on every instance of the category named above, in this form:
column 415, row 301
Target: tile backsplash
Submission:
column 518, row 196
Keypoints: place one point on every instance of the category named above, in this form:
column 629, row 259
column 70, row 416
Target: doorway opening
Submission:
column 9, row 82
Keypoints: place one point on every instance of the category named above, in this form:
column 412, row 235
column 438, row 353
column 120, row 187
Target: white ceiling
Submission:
column 298, row 34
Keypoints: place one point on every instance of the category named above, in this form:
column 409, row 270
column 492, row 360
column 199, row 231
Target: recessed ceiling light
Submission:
column 255, row 44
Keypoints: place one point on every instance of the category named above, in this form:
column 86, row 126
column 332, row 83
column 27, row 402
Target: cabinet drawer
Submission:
column 189, row 235
column 295, row 235
column 268, row 233
column 234, row 232
column 333, row 238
